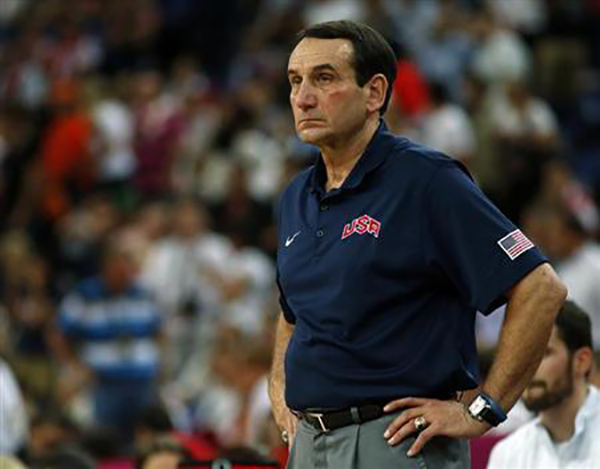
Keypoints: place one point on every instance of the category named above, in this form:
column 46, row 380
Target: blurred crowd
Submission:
column 143, row 145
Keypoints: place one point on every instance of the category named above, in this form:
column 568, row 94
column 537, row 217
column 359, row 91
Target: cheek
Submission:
column 342, row 105
column 546, row 369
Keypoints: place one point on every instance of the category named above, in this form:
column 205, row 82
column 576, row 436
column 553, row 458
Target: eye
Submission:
column 324, row 77
column 295, row 80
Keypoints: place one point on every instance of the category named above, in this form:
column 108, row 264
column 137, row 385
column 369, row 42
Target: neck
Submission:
column 560, row 420
column 341, row 157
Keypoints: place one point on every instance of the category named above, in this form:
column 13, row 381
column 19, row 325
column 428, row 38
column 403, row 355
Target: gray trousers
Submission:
column 363, row 447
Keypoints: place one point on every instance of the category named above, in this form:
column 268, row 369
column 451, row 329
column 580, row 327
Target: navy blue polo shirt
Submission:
column 382, row 277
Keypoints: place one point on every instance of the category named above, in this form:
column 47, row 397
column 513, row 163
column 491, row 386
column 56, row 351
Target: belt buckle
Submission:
column 319, row 417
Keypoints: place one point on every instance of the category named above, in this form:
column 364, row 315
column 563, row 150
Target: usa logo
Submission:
column 361, row 225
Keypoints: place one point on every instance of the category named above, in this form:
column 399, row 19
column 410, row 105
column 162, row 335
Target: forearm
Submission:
column 530, row 316
column 277, row 375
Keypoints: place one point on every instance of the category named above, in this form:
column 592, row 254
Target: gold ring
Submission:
column 421, row 423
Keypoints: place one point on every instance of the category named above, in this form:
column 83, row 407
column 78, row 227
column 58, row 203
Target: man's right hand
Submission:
column 285, row 419
column 287, row 423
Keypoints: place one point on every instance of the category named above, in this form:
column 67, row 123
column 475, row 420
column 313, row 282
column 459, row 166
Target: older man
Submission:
column 386, row 251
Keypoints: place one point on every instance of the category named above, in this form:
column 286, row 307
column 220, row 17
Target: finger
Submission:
column 401, row 421
column 421, row 440
column 405, row 402
column 293, row 427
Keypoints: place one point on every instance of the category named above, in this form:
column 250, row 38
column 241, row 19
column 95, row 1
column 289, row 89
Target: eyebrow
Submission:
column 316, row 68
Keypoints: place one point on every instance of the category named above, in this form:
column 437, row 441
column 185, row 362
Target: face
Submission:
column 554, row 379
column 119, row 271
column 327, row 103
column 164, row 460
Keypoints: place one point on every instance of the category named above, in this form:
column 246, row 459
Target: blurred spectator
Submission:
column 18, row 144
column 446, row 54
column 113, row 133
column 410, row 93
column 415, row 20
column 239, row 215
column 65, row 457
column 155, row 424
column 486, row 165
column 526, row 16
column 317, row 11
column 565, row 432
column 239, row 365
column 163, row 453
column 67, row 168
column 447, row 127
column 81, row 235
column 525, row 132
column 501, row 55
column 116, row 325
column 575, row 256
column 54, row 443
column 158, row 126
column 13, row 416
column 178, row 270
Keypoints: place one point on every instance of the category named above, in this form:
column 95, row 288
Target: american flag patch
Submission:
column 514, row 244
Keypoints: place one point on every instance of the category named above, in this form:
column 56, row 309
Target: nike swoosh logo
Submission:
column 291, row 239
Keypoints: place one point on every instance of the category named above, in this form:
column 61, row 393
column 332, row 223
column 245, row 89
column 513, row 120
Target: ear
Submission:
column 583, row 360
column 376, row 88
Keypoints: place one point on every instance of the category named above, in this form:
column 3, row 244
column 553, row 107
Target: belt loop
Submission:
column 355, row 415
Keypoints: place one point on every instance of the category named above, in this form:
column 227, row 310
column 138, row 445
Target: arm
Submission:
column 284, row 418
column 532, row 308
column 534, row 301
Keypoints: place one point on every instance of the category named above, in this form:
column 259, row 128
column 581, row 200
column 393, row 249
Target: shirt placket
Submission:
column 322, row 231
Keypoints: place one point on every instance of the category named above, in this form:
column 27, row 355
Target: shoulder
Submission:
column 422, row 161
column 592, row 405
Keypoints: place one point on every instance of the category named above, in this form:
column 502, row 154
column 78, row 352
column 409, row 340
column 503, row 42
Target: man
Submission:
column 565, row 433
column 386, row 251
column 115, row 325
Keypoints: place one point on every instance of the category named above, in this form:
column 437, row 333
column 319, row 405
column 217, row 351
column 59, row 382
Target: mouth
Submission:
column 536, row 388
column 311, row 121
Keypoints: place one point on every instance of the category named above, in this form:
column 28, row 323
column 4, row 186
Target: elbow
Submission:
column 554, row 290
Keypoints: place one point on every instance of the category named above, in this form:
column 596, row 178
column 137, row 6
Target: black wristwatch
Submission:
column 485, row 409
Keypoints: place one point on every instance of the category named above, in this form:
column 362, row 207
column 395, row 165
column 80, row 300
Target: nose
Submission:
column 304, row 96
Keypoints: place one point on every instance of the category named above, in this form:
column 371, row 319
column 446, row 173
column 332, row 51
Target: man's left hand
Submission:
column 443, row 418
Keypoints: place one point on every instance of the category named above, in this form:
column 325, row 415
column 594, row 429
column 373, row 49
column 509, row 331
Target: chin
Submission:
column 312, row 136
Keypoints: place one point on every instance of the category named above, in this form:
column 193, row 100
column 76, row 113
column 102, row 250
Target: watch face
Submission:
column 477, row 405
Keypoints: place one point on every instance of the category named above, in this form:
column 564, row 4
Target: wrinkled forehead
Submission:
column 312, row 52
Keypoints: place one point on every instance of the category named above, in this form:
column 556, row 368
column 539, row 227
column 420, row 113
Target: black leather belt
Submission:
column 327, row 421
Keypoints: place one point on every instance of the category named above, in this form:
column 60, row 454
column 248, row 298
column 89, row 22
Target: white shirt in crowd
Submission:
column 531, row 447
column 581, row 274
column 536, row 119
column 449, row 129
column 13, row 418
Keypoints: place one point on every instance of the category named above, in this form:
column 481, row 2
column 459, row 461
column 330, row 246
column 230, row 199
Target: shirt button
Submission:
column 320, row 233
column 324, row 207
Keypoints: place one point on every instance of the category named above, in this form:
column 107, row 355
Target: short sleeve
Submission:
column 289, row 316
column 468, row 240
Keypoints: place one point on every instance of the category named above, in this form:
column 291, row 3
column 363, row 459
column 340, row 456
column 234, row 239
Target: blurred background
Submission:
column 143, row 145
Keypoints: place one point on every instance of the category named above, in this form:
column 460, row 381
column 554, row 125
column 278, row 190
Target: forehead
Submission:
column 313, row 52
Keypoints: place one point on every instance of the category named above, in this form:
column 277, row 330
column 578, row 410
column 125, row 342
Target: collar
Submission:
column 588, row 410
column 374, row 155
